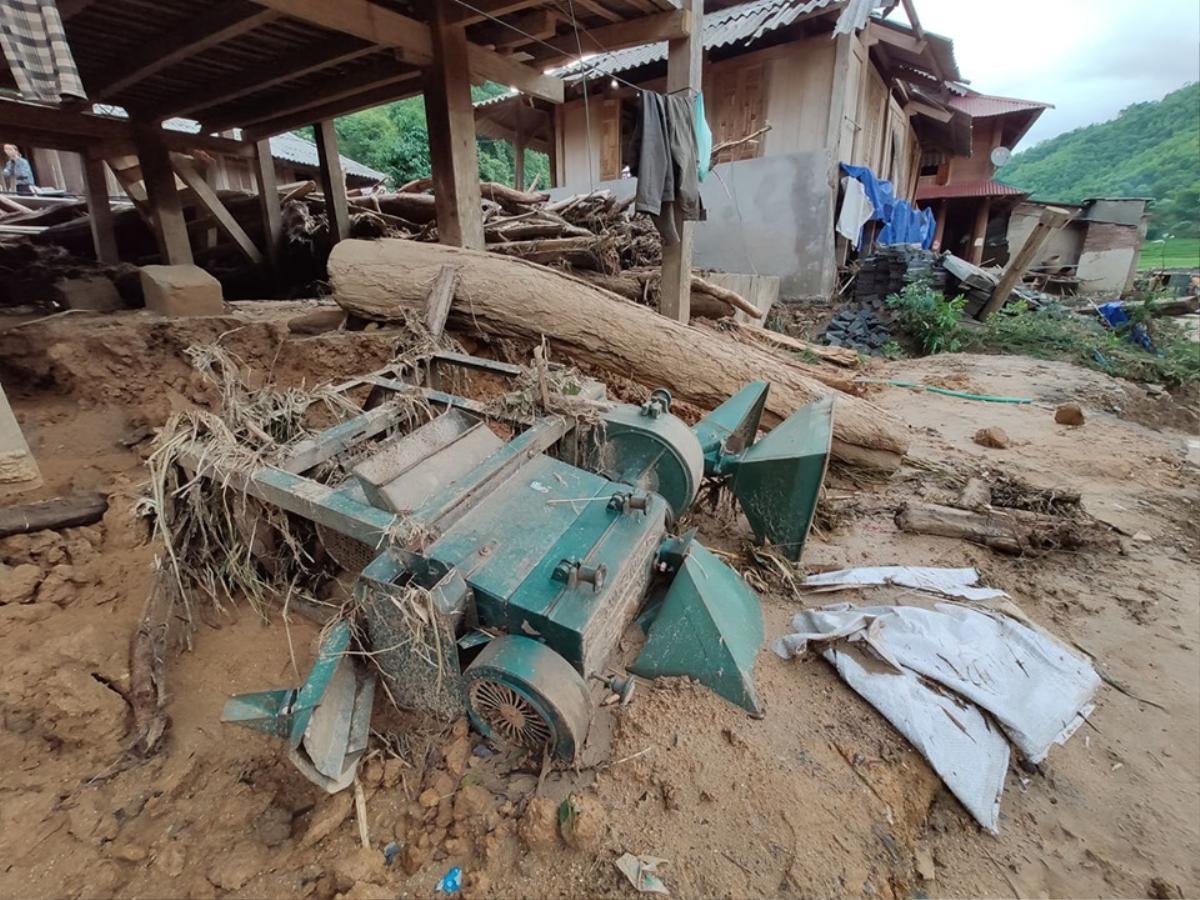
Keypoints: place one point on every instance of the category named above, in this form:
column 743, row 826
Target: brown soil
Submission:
column 818, row 798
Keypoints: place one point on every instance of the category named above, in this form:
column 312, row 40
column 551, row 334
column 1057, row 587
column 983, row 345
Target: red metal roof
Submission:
column 986, row 188
column 981, row 105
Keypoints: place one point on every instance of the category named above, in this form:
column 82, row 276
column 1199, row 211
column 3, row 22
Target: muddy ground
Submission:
column 818, row 798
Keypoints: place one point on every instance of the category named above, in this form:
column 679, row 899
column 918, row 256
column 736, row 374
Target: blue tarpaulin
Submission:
column 1115, row 316
column 902, row 224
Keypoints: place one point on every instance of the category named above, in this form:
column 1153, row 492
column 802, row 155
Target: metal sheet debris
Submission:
column 960, row 661
column 640, row 870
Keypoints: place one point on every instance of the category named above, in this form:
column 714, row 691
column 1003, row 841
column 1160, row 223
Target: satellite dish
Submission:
column 1000, row 156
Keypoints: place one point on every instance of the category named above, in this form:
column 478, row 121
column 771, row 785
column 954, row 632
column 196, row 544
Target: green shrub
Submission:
column 928, row 317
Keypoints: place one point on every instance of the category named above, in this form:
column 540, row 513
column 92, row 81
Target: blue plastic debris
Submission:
column 390, row 852
column 451, row 882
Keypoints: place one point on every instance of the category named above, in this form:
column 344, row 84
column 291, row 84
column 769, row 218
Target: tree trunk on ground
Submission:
column 1012, row 531
column 512, row 298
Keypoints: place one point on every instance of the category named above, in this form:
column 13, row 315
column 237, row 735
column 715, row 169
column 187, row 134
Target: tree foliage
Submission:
column 1149, row 150
column 394, row 138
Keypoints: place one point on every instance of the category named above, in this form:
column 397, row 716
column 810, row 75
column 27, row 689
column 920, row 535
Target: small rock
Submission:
column 925, row 867
column 15, row 549
column 1069, row 414
column 993, row 437
column 19, row 583
column 56, row 589
column 393, row 768
column 328, row 816
column 372, row 773
column 232, row 869
column 538, row 828
column 1143, row 537
column 585, row 822
column 361, row 864
column 473, row 800
column 171, row 859
column 128, row 852
column 429, row 798
column 456, row 755
column 273, row 826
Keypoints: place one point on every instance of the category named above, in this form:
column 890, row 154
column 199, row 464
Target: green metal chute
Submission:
column 709, row 627
column 778, row 480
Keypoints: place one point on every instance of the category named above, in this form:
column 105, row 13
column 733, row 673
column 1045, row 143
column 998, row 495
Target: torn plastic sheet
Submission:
column 948, row 582
column 968, row 753
column 642, row 872
column 1037, row 691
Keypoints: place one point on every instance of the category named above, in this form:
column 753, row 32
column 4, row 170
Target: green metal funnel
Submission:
column 777, row 481
column 732, row 426
column 709, row 627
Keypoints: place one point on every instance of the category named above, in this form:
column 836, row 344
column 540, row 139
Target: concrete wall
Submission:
column 767, row 216
column 1062, row 248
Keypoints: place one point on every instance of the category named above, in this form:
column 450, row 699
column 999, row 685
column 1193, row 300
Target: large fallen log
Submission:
column 512, row 298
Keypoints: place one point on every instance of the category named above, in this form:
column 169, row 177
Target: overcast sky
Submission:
column 1090, row 58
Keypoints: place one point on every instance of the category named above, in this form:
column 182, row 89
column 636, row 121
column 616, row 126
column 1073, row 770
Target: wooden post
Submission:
column 268, row 202
column 333, row 181
column 208, row 199
column 451, row 121
column 519, row 154
column 685, row 58
column 165, row 208
column 104, row 238
column 1052, row 219
column 979, row 232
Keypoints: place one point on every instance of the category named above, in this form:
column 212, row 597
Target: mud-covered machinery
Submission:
column 501, row 559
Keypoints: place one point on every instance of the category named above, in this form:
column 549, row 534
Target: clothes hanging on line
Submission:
column 666, row 155
column 856, row 212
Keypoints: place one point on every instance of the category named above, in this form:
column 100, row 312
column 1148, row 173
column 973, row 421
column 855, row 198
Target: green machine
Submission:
column 522, row 549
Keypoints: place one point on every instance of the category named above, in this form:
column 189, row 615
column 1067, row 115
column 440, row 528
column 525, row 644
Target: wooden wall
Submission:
column 788, row 86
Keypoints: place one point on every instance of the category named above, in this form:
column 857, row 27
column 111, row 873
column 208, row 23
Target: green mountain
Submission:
column 1149, row 150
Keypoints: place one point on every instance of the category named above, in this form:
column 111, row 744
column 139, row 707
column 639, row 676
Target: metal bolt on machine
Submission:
column 528, row 546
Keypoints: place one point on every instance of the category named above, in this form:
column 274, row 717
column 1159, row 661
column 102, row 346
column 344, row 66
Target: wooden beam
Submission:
column 685, row 58
column 916, row 107
column 414, row 42
column 461, row 15
column 295, row 65
column 452, row 152
column 599, row 9
column 100, row 217
column 333, row 181
column 336, row 109
column 212, row 204
column 165, row 208
column 1051, row 219
column 877, row 33
column 538, row 23
column 268, row 202
column 207, row 29
column 378, row 75
column 664, row 26
column 911, row 12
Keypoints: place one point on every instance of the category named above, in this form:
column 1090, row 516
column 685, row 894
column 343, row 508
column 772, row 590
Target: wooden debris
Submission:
column 61, row 512
column 511, row 298
column 441, row 295
column 1012, row 531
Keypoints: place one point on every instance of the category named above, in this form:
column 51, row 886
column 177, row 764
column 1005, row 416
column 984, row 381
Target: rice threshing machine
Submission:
column 500, row 559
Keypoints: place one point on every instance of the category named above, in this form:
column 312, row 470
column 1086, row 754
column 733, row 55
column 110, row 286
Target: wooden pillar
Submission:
column 519, row 154
column 685, row 58
column 165, row 208
column 451, row 121
column 104, row 238
column 1051, row 219
column 940, row 233
column 268, row 202
column 333, row 181
column 979, row 232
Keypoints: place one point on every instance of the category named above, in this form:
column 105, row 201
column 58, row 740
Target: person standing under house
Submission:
column 18, row 174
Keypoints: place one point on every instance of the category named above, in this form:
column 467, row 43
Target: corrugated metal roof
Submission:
column 982, row 105
column 987, row 188
column 287, row 146
column 738, row 24
column 292, row 148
